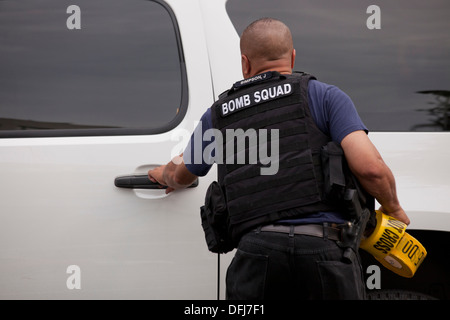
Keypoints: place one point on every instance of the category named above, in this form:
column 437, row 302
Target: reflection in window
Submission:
column 439, row 110
column 381, row 70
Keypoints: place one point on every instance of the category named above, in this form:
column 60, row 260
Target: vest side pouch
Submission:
column 334, row 182
column 339, row 181
column 343, row 189
column 214, row 216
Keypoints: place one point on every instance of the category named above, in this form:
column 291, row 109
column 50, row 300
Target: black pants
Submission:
column 270, row 265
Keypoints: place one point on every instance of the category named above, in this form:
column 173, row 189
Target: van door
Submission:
column 90, row 92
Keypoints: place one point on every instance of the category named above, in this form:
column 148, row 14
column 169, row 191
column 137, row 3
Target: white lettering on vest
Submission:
column 236, row 104
column 272, row 93
column 260, row 96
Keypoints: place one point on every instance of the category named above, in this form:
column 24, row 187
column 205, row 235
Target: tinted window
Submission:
column 398, row 76
column 122, row 72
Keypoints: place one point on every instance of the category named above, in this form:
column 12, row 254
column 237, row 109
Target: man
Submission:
column 274, row 261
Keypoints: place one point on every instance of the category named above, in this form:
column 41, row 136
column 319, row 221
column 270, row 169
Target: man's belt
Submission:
column 314, row 230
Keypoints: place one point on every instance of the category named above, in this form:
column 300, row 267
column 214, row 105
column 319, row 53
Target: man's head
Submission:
column 266, row 44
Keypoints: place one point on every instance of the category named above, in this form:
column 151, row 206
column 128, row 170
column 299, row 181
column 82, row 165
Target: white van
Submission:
column 92, row 90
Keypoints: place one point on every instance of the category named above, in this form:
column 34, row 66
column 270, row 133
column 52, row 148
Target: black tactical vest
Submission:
column 251, row 109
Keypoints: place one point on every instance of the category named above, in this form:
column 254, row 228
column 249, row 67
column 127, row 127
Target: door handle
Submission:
column 142, row 182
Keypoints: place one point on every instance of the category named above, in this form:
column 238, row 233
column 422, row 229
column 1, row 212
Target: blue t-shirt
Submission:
column 332, row 110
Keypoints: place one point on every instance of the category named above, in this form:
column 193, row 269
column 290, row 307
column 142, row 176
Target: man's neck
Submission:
column 282, row 68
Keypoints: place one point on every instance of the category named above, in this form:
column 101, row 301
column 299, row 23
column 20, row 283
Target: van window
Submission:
column 397, row 76
column 101, row 67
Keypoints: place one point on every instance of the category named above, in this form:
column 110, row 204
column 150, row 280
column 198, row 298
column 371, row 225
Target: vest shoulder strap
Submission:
column 264, row 77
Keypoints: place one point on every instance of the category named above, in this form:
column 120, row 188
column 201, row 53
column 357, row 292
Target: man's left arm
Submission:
column 174, row 175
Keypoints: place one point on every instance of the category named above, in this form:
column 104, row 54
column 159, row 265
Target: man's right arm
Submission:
column 374, row 175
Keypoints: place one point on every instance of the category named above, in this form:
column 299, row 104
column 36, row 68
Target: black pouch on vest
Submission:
column 214, row 216
column 340, row 186
column 343, row 189
column 334, row 182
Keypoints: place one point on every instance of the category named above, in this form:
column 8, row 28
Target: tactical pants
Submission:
column 271, row 265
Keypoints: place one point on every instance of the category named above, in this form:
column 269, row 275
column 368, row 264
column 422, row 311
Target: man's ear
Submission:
column 246, row 67
column 294, row 53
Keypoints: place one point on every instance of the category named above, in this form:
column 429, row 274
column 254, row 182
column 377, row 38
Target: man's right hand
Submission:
column 398, row 214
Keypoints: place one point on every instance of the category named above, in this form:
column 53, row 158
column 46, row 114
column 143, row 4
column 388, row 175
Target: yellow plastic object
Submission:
column 393, row 247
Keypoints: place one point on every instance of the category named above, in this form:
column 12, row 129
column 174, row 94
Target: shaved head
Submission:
column 266, row 39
